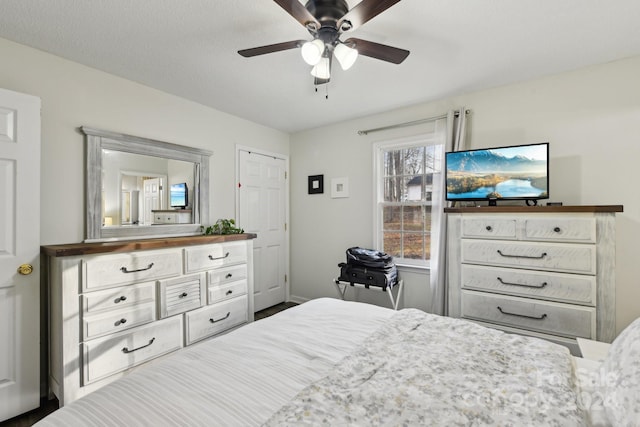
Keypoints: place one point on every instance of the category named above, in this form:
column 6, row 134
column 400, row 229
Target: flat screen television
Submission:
column 179, row 195
column 518, row 172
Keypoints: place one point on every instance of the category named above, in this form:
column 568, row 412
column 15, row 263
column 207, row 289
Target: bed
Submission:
column 333, row 362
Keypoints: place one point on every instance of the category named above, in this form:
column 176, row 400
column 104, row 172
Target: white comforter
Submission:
column 329, row 362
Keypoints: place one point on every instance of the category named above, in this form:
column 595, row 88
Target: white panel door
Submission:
column 152, row 188
column 262, row 205
column 19, row 246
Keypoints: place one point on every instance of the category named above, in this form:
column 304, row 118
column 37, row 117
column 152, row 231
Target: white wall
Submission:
column 74, row 95
column 590, row 116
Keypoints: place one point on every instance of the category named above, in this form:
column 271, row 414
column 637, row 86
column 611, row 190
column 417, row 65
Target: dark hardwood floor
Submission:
column 273, row 310
column 48, row 406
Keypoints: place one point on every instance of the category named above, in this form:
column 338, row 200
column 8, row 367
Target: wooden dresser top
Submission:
column 535, row 209
column 73, row 249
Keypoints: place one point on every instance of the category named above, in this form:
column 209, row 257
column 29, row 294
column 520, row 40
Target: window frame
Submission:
column 379, row 148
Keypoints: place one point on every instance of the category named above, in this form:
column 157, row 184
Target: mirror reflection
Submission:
column 145, row 190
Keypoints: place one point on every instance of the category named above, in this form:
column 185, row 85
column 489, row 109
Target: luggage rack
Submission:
column 342, row 289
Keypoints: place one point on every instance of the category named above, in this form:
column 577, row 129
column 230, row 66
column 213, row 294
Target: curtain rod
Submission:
column 413, row 123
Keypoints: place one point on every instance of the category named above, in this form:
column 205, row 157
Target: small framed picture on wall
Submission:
column 316, row 184
column 340, row 187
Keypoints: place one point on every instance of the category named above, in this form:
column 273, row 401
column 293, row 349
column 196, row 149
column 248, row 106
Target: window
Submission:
column 408, row 182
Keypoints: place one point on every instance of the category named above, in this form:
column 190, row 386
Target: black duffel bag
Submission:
column 369, row 258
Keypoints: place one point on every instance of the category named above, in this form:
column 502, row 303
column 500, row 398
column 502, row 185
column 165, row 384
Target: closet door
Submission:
column 262, row 210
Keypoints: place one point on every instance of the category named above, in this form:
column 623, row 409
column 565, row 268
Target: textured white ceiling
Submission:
column 189, row 48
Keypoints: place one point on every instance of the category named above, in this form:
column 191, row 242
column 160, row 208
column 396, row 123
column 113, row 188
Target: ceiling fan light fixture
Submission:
column 345, row 55
column 322, row 70
column 312, row 51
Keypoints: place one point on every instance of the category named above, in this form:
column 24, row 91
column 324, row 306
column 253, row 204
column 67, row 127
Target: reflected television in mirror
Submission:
column 179, row 195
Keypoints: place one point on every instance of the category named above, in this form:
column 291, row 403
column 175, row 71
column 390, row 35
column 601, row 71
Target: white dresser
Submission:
column 174, row 216
column 114, row 306
column 543, row 271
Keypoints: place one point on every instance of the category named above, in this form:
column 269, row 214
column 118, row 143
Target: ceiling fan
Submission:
column 326, row 21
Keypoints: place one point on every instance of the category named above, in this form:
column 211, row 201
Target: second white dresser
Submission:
column 541, row 271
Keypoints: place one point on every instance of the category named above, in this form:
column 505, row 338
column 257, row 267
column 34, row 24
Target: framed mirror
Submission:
column 140, row 188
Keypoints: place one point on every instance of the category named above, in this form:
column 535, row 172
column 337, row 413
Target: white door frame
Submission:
column 284, row 157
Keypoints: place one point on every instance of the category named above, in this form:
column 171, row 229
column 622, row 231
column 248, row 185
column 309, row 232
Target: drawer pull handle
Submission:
column 121, row 321
column 229, row 292
column 126, row 350
column 220, row 257
column 122, row 298
column 124, row 269
column 220, row 319
column 542, row 285
column 557, row 229
column 544, row 254
column 228, row 276
column 182, row 295
column 489, row 228
column 521, row 315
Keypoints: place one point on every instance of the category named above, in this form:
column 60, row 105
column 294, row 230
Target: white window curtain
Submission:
column 455, row 141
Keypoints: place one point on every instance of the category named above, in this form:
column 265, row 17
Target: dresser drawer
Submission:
column 199, row 258
column 104, row 271
column 567, row 229
column 106, row 356
column 489, row 227
column 117, row 320
column 181, row 294
column 542, row 316
column 227, row 290
column 116, row 299
column 562, row 257
column 570, row 288
column 227, row 274
column 164, row 218
column 216, row 318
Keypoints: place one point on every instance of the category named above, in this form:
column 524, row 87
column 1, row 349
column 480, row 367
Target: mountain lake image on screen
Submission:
column 518, row 172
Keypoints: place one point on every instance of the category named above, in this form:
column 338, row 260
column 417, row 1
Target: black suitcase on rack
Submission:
column 381, row 277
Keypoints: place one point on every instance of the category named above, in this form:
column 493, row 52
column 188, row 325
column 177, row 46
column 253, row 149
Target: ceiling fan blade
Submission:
column 261, row 50
column 365, row 11
column 378, row 51
column 298, row 11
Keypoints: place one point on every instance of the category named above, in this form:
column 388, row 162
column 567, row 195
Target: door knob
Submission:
column 25, row 269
